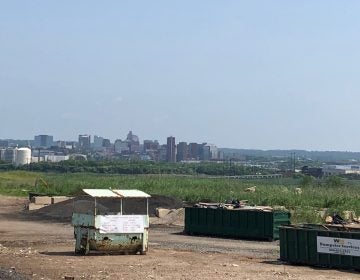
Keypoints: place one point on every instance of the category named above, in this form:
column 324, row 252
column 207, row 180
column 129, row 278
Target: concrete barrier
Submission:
column 42, row 200
column 57, row 199
column 33, row 206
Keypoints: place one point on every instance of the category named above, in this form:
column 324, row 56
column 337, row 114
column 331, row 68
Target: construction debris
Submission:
column 234, row 205
column 350, row 219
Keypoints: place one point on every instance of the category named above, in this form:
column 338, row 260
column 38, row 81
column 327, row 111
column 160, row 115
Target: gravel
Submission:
column 11, row 274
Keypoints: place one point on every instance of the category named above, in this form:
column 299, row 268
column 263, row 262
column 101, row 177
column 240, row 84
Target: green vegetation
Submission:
column 139, row 167
column 335, row 193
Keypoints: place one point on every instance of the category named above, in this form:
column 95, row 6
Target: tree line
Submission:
column 139, row 167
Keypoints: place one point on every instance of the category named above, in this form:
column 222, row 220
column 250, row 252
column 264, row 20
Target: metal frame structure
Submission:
column 111, row 232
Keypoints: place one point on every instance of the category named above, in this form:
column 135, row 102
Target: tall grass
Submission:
column 192, row 189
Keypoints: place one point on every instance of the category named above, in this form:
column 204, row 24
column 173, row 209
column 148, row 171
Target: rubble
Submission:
column 235, row 205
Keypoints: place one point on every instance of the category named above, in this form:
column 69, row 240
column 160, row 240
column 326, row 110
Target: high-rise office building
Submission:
column 150, row 145
column 84, row 141
column 182, row 151
column 43, row 141
column 98, row 142
column 170, row 149
column 193, row 151
column 134, row 144
column 162, row 153
column 121, row 147
column 210, row 152
column 106, row 143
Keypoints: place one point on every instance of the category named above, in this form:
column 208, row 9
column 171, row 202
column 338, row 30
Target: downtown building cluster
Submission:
column 44, row 148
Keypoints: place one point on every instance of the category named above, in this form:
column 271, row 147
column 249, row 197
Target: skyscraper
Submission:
column 43, row 141
column 84, row 141
column 133, row 141
column 182, row 151
column 170, row 149
column 98, row 142
column 193, row 151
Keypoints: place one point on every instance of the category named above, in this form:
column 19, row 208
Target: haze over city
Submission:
column 239, row 74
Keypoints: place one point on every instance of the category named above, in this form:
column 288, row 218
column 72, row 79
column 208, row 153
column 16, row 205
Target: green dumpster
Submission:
column 336, row 246
column 240, row 223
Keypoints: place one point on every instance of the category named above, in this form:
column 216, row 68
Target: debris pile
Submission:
column 336, row 219
column 174, row 217
column 234, row 205
column 62, row 211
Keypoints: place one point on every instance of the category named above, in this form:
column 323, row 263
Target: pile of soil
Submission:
column 176, row 217
column 62, row 211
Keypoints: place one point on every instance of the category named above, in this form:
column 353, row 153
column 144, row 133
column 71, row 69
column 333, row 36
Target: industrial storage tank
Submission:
column 9, row 155
column 23, row 156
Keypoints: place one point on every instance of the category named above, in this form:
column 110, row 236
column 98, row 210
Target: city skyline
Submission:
column 255, row 75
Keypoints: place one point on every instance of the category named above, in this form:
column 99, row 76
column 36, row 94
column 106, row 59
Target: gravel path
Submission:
column 173, row 237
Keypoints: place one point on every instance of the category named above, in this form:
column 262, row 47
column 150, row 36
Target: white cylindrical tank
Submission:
column 23, row 156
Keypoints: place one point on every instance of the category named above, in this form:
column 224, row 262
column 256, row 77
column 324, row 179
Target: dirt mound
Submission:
column 175, row 217
column 62, row 211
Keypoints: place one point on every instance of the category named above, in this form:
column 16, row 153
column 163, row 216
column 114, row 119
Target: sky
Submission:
column 239, row 74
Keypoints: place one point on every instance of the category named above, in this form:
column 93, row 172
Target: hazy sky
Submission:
column 242, row 74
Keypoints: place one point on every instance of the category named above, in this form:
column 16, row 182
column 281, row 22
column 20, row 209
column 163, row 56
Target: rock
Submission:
column 251, row 189
column 298, row 191
column 328, row 220
column 349, row 215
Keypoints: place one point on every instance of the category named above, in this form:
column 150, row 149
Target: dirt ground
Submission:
column 33, row 248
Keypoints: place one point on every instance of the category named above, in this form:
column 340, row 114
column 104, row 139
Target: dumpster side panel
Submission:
column 122, row 243
column 233, row 223
column 279, row 218
column 299, row 245
column 83, row 220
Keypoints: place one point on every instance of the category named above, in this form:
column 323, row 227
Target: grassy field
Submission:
column 192, row 189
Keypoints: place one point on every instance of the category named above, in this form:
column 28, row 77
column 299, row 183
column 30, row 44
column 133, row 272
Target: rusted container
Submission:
column 111, row 231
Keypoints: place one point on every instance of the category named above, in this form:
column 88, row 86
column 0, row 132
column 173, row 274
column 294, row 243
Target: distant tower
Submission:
column 182, row 151
column 133, row 142
column 43, row 141
column 84, row 141
column 170, row 149
column 193, row 151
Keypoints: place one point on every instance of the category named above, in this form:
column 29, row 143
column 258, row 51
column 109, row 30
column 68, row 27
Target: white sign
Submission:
column 121, row 224
column 338, row 246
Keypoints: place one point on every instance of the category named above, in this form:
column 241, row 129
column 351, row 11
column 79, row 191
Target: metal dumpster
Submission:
column 242, row 223
column 335, row 246
column 102, row 229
